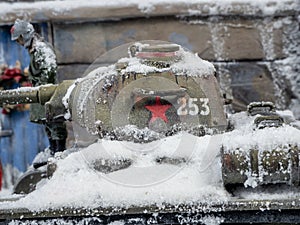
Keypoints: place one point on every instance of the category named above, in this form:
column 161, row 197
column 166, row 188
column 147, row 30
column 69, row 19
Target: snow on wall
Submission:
column 289, row 67
column 193, row 7
column 219, row 42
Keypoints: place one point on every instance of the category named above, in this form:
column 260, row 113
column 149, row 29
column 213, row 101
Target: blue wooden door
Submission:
column 18, row 150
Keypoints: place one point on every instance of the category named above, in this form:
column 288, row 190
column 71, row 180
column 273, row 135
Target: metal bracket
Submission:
column 5, row 133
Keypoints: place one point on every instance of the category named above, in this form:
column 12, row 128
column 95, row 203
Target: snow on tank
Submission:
column 262, row 149
column 156, row 119
column 157, row 86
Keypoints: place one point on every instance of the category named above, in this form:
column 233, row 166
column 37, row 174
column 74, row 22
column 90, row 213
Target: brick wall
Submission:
column 256, row 53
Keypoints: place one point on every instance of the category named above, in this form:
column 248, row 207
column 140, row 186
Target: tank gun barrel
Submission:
column 28, row 95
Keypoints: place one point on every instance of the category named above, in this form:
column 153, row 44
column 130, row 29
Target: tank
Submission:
column 154, row 90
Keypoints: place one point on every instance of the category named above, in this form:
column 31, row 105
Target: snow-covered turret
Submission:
column 160, row 87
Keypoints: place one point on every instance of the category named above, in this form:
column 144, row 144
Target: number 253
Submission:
column 189, row 106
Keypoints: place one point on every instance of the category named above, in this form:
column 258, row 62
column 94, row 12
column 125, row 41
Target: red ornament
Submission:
column 158, row 110
column 12, row 73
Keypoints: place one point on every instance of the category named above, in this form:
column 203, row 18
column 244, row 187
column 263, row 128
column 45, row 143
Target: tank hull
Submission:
column 233, row 211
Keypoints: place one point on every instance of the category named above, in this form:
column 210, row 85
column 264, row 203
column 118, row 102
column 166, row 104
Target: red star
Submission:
column 158, row 110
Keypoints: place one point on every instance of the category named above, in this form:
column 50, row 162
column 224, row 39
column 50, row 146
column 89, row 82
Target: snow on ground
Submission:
column 76, row 182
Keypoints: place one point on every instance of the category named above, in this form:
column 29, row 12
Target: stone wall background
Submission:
column 256, row 54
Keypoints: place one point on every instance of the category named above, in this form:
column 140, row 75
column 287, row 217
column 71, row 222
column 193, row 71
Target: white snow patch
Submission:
column 45, row 56
column 76, row 182
column 42, row 156
column 66, row 98
column 245, row 136
column 189, row 65
column 267, row 7
column 192, row 65
column 146, row 7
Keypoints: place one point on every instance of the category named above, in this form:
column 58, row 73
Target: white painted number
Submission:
column 205, row 106
column 182, row 111
column 193, row 108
